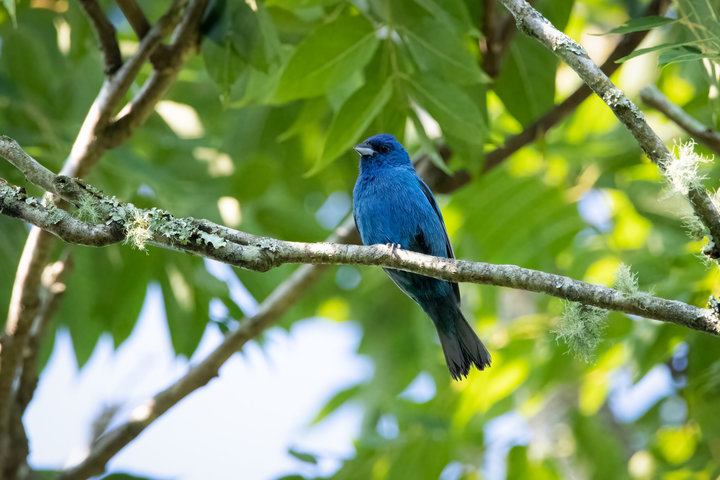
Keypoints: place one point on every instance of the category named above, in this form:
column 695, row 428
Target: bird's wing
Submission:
column 448, row 247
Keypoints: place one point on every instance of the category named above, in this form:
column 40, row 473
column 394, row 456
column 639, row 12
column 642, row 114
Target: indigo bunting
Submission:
column 392, row 205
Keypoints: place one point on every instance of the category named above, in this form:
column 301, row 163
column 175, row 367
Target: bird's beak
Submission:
column 364, row 149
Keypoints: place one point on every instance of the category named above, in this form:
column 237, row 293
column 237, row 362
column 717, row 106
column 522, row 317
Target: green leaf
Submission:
column 237, row 37
column 12, row 236
column 105, row 293
column 450, row 12
column 303, row 456
column 656, row 48
column 687, row 53
column 351, row 121
column 427, row 146
column 641, row 24
column 299, row 4
column 222, row 64
column 187, row 289
column 438, row 47
column 123, row 476
column 336, row 402
column 327, row 57
column 452, row 108
column 526, row 84
column 10, row 7
column 236, row 24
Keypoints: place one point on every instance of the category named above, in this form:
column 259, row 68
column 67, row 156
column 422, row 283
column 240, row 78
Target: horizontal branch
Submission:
column 124, row 222
column 702, row 133
column 574, row 55
column 231, row 246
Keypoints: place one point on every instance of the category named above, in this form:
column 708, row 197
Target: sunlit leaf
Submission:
column 641, row 24
column 328, row 56
column 10, row 7
column 452, row 108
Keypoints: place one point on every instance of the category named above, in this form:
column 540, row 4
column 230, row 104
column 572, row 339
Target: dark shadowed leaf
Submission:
column 526, row 83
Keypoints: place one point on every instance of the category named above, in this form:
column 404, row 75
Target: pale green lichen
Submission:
column 581, row 328
column 55, row 215
column 89, row 211
column 137, row 230
column 177, row 230
column 212, row 239
column 626, row 281
column 682, row 173
column 695, row 229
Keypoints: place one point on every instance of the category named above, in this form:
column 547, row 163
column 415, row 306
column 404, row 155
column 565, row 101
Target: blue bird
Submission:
column 392, row 205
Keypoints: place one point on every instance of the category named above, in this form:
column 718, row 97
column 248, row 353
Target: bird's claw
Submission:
column 393, row 247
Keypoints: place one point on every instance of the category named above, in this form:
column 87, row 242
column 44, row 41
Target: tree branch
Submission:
column 534, row 24
column 241, row 249
column 627, row 44
column 90, row 143
column 702, row 133
column 53, row 286
column 87, row 148
column 106, row 35
column 269, row 312
column 135, row 17
column 497, row 38
column 287, row 293
column 143, row 104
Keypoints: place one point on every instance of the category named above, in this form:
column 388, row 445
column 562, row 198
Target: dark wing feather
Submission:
column 448, row 247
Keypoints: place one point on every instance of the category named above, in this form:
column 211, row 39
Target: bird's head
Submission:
column 382, row 149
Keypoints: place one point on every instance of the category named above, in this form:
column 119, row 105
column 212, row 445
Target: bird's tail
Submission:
column 460, row 344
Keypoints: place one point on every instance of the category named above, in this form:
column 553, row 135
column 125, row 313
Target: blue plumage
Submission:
column 392, row 204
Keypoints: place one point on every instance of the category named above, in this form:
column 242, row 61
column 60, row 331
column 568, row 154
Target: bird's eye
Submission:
column 384, row 148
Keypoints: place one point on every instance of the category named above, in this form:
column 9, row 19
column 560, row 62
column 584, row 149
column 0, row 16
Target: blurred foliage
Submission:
column 267, row 115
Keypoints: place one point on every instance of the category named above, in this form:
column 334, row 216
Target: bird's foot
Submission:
column 393, row 247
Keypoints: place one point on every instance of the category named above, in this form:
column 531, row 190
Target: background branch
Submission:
column 135, row 17
column 702, row 133
column 106, row 35
column 534, row 24
column 25, row 302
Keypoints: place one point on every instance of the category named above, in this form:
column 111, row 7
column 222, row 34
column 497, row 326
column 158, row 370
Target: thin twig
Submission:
column 534, row 24
column 106, row 35
column 497, row 38
column 54, row 288
column 90, row 143
column 702, row 133
column 143, row 104
column 488, row 42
